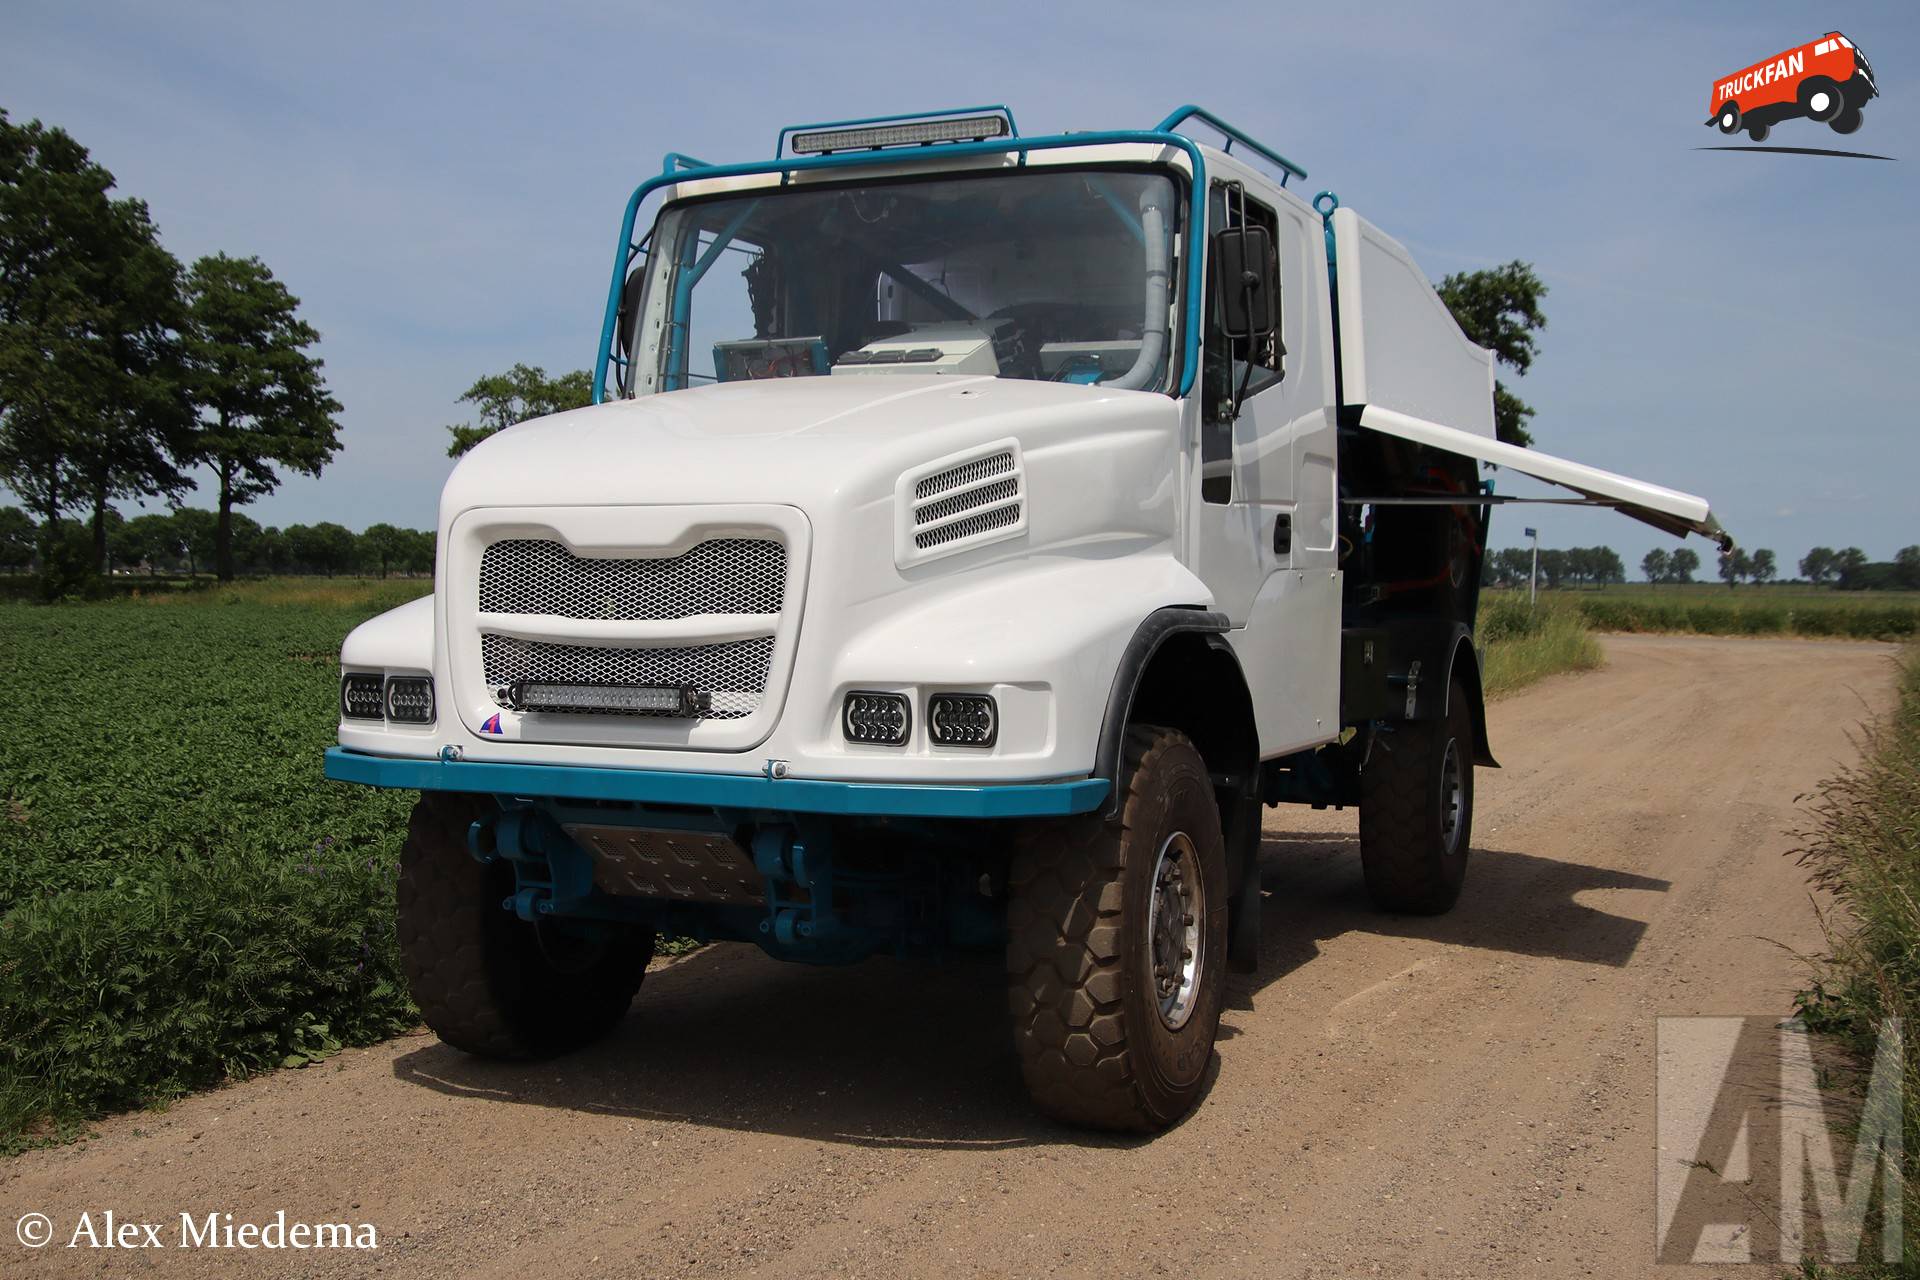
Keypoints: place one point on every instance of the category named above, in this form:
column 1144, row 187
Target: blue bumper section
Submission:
column 720, row 790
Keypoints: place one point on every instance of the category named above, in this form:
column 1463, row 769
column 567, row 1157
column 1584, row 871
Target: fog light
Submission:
column 879, row 718
column 962, row 719
column 360, row 696
column 410, row 700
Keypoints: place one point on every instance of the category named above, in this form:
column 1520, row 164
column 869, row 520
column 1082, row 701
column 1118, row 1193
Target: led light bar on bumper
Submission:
column 963, row 129
column 962, row 719
column 676, row 701
column 881, row 719
column 360, row 696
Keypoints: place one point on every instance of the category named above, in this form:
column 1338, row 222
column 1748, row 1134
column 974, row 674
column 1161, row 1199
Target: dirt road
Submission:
column 1471, row 1095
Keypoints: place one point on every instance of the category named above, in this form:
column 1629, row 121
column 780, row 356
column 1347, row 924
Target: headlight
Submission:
column 410, row 700
column 882, row 719
column 962, row 719
column 360, row 695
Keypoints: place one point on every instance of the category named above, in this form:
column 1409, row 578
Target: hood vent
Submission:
column 960, row 502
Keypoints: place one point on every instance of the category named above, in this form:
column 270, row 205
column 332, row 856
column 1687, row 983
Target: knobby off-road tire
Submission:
column 1416, row 811
column 486, row 981
column 1100, row 1042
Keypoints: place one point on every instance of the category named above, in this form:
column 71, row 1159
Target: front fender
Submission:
column 398, row 640
column 1058, row 627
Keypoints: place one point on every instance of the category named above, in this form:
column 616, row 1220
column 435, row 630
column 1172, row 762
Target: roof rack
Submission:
column 1288, row 169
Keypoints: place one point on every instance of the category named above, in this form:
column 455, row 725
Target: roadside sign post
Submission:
column 1533, row 577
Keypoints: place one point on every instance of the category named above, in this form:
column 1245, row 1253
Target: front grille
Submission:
column 734, row 674
column 722, row 575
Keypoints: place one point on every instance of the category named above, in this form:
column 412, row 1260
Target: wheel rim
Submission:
column 1175, row 920
column 1818, row 102
column 1453, row 797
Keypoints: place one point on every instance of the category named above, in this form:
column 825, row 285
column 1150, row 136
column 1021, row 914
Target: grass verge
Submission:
column 1526, row 643
column 1865, row 848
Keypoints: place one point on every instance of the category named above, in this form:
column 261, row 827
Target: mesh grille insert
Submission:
column 986, row 521
column 966, row 473
column 734, row 673
column 986, row 495
column 722, row 575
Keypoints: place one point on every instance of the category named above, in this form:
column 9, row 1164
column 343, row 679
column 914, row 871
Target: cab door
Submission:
column 1265, row 506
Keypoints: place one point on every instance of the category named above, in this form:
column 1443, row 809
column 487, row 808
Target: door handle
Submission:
column 1283, row 535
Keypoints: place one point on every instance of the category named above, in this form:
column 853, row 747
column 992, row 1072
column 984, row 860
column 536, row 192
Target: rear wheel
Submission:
column 485, row 980
column 1758, row 131
column 1416, row 811
column 1846, row 121
column 1117, row 946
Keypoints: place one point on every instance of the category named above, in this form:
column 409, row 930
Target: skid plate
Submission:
column 681, row 866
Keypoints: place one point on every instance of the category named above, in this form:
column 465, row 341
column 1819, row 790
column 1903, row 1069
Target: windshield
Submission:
column 1050, row 274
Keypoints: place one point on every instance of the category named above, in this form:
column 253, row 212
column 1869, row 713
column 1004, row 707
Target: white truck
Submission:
column 971, row 532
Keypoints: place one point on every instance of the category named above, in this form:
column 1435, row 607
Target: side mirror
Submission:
column 1244, row 278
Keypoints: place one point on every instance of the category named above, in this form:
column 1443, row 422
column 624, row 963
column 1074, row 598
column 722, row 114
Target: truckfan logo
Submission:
column 1828, row 81
column 492, row 725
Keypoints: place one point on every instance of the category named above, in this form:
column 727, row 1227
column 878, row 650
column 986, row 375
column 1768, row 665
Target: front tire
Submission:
column 1730, row 118
column 1117, row 946
column 1416, row 811
column 485, row 980
column 1821, row 99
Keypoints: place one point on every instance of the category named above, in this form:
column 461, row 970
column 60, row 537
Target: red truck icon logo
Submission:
column 1827, row 80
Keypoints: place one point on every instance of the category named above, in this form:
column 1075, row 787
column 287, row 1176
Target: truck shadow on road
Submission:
column 896, row 1054
column 1518, row 903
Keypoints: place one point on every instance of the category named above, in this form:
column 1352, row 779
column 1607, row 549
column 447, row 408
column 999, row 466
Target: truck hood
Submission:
column 793, row 440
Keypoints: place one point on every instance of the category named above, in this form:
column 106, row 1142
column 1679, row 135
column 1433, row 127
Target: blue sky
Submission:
column 442, row 184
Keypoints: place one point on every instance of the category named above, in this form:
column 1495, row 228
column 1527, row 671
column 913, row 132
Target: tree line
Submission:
column 1850, row 570
column 186, row 540
column 1573, row 567
column 121, row 371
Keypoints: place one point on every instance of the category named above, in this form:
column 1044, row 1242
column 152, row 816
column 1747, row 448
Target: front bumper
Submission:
column 722, row 791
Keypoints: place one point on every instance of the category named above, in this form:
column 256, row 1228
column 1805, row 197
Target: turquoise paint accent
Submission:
column 1196, row 223
column 720, row 790
column 1190, row 112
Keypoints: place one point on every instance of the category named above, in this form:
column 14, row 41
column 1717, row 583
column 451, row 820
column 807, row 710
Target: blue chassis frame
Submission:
column 679, row 168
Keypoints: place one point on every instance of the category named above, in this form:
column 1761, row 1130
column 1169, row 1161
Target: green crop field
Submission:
column 182, row 896
column 1706, row 609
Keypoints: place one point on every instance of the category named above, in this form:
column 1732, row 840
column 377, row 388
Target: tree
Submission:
column 1763, row 565
column 383, row 546
column 17, row 532
column 1655, row 566
column 1681, row 564
column 1735, row 565
column 520, row 393
column 270, row 551
column 326, row 547
column 418, row 557
column 1818, row 565
column 261, row 400
column 155, row 540
column 92, row 402
column 1906, row 567
column 1848, row 566
column 199, row 533
column 1499, row 308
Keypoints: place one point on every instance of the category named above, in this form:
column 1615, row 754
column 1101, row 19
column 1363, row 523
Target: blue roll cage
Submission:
column 677, row 168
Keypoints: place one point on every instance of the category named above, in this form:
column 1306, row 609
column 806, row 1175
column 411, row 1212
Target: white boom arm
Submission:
column 1665, row 509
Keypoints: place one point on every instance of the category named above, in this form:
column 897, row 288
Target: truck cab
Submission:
column 971, row 531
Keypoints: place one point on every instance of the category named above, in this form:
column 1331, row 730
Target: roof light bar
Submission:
column 919, row 133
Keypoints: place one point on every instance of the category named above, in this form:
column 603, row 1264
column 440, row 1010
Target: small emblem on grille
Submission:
column 492, row 725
